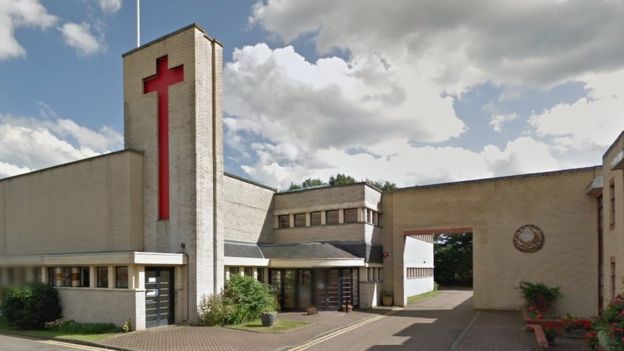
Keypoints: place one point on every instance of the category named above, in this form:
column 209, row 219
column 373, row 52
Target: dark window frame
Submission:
column 283, row 224
column 123, row 283
column 350, row 219
column 298, row 223
column 320, row 218
column 99, row 282
column 327, row 217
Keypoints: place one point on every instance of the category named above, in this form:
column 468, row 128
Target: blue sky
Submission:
column 412, row 92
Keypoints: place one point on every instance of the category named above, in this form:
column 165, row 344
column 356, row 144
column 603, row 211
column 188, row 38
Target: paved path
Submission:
column 21, row 344
column 216, row 338
column 445, row 322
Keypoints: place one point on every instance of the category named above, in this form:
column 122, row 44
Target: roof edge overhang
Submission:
column 99, row 258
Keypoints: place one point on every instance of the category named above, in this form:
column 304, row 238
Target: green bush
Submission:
column 242, row 300
column 31, row 306
column 539, row 296
column 72, row 327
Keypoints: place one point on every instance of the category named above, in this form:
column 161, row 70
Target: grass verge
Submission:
column 280, row 326
column 427, row 295
column 53, row 334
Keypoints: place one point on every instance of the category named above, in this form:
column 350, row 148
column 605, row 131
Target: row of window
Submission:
column 246, row 271
column 416, row 273
column 77, row 277
column 373, row 274
column 350, row 215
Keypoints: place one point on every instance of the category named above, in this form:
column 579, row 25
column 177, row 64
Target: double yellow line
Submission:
column 341, row 331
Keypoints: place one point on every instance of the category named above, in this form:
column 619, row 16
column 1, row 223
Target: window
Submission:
column 233, row 271
column 261, row 274
column 315, row 218
column 121, row 277
column 66, row 276
column 300, row 220
column 369, row 216
column 350, row 215
column 331, row 217
column 284, row 221
column 102, row 276
column 612, row 204
column 376, row 218
column 84, row 277
column 51, row 277
column 417, row 273
column 248, row 272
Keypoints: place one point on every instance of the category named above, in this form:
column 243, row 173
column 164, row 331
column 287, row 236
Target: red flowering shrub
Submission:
column 609, row 328
column 540, row 299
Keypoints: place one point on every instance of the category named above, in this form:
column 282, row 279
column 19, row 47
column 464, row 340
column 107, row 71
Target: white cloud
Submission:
column 20, row 13
column 79, row 37
column 405, row 164
column 497, row 121
column 504, row 41
column 590, row 123
column 110, row 6
column 33, row 143
column 405, row 65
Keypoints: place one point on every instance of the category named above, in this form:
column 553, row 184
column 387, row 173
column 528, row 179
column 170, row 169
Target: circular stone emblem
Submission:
column 528, row 238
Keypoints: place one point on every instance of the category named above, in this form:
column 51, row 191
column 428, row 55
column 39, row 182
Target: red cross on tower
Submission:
column 160, row 83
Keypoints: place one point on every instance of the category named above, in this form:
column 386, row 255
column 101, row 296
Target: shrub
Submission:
column 539, row 297
column 242, row 300
column 609, row 328
column 72, row 327
column 31, row 306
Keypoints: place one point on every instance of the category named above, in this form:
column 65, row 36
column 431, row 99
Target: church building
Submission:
column 145, row 233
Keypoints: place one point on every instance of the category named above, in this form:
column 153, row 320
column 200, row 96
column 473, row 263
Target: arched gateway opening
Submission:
column 437, row 258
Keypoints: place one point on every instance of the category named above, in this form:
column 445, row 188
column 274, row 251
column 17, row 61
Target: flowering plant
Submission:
column 571, row 323
column 609, row 328
column 540, row 299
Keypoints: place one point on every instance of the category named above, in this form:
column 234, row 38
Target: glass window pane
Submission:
column 315, row 218
column 102, row 277
column 300, row 220
column 121, row 277
column 284, row 221
column 350, row 215
column 332, row 217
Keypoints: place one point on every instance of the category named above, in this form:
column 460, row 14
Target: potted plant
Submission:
column 268, row 317
column 386, row 298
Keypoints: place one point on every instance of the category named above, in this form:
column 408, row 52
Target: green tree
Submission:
column 308, row 183
column 453, row 259
column 341, row 179
column 383, row 186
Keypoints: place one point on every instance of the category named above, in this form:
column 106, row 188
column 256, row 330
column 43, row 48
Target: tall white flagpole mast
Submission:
column 138, row 3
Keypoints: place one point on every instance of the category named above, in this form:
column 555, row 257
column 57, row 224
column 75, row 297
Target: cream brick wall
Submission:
column 247, row 211
column 555, row 202
column 357, row 195
column 89, row 305
column 195, row 154
column 613, row 236
column 338, row 232
column 93, row 205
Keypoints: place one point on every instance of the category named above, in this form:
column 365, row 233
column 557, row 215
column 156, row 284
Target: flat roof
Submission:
column 484, row 180
column 326, row 186
column 152, row 42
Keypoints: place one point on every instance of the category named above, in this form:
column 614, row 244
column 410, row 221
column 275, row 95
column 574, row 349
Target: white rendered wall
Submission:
column 417, row 254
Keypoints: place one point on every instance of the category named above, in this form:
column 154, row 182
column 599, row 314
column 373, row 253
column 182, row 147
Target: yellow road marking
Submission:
column 72, row 346
column 342, row 331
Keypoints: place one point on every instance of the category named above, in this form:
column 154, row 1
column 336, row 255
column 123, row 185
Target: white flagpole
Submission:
column 138, row 3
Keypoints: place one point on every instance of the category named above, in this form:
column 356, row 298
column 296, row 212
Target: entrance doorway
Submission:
column 452, row 254
column 327, row 289
column 159, row 301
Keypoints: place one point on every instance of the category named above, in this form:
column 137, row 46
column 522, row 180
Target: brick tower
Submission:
column 173, row 114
